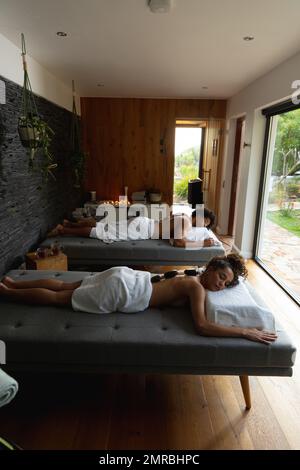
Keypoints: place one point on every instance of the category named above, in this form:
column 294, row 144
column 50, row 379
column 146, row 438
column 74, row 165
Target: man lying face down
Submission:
column 121, row 289
column 203, row 218
column 197, row 235
column 180, row 229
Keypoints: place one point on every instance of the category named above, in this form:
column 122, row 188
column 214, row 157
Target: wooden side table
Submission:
column 50, row 263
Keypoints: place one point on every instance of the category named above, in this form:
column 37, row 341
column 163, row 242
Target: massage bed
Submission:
column 154, row 341
column 88, row 251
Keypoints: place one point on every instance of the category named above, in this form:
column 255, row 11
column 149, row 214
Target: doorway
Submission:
column 188, row 162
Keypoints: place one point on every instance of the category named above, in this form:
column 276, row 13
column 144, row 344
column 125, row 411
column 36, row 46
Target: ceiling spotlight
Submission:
column 160, row 6
column 61, row 34
column 248, row 38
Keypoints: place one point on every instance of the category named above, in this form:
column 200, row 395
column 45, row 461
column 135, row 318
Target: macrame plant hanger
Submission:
column 77, row 155
column 33, row 131
column 29, row 134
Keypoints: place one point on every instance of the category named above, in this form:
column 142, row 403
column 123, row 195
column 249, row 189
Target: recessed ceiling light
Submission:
column 61, row 34
column 248, row 38
column 160, row 6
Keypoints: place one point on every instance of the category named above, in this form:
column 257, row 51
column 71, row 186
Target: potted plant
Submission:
column 34, row 132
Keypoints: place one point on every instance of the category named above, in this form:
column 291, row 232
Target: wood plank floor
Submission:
column 159, row 411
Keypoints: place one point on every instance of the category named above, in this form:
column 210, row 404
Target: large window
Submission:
column 278, row 229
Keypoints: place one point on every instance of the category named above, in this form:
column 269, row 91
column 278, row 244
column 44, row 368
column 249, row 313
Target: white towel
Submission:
column 137, row 228
column 236, row 307
column 196, row 234
column 118, row 289
column 8, row 388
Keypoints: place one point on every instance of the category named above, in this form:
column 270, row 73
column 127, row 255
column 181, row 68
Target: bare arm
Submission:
column 196, row 294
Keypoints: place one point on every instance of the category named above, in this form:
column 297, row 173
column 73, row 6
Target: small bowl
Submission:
column 155, row 197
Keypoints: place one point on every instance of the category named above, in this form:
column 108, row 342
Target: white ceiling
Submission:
column 135, row 53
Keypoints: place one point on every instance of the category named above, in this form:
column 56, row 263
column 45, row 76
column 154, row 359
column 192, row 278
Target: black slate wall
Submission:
column 30, row 206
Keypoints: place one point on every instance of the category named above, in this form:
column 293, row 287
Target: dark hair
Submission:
column 207, row 214
column 233, row 261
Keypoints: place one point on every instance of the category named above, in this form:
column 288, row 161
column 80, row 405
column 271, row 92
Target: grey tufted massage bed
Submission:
column 153, row 341
column 88, row 251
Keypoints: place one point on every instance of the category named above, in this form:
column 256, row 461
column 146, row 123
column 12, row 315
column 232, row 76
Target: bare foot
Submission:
column 3, row 287
column 58, row 230
column 8, row 282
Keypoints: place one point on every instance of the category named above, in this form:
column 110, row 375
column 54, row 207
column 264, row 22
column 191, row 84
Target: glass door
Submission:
column 278, row 229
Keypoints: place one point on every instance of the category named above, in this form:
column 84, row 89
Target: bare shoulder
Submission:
column 198, row 284
column 192, row 282
column 195, row 291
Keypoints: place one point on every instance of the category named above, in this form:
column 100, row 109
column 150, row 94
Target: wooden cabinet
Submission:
column 52, row 263
column 155, row 210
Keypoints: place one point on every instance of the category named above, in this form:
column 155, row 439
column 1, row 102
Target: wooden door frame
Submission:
column 235, row 173
column 201, row 156
column 219, row 166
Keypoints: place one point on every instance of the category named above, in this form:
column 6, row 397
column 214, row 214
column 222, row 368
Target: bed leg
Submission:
column 244, row 379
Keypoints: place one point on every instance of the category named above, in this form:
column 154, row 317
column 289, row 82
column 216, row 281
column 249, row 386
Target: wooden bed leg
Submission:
column 244, row 379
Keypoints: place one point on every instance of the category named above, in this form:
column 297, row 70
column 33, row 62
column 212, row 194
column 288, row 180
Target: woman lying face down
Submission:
column 126, row 290
column 176, row 228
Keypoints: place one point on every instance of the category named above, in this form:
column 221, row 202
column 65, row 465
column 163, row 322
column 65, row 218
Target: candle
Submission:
column 93, row 195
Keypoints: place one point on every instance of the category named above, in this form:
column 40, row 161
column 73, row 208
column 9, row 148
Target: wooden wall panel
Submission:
column 122, row 139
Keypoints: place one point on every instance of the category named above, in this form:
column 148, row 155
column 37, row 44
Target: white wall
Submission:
column 265, row 91
column 43, row 82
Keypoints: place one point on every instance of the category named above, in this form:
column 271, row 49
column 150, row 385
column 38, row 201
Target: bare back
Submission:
column 173, row 291
column 176, row 226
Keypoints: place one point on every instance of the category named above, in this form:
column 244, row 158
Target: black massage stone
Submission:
column 170, row 274
column 191, row 272
column 155, row 278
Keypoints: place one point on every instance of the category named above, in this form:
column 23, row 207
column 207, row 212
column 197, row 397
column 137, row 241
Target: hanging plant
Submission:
column 77, row 155
column 34, row 132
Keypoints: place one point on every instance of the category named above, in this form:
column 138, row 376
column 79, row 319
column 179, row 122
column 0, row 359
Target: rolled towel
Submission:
column 236, row 307
column 8, row 388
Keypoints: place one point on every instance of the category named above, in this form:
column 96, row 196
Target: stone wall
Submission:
column 29, row 205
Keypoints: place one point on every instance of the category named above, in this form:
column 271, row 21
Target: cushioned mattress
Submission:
column 88, row 251
column 156, row 340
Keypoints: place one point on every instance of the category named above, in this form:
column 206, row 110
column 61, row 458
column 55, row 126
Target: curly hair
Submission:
column 233, row 261
column 211, row 216
column 207, row 214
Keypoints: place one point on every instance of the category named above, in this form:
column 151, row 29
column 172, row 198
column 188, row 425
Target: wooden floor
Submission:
column 159, row 411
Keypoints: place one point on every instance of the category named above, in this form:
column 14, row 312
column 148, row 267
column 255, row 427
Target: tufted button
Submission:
column 81, row 242
column 18, row 324
column 23, row 273
column 164, row 328
column 133, row 243
column 57, row 274
column 67, row 326
column 117, row 327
